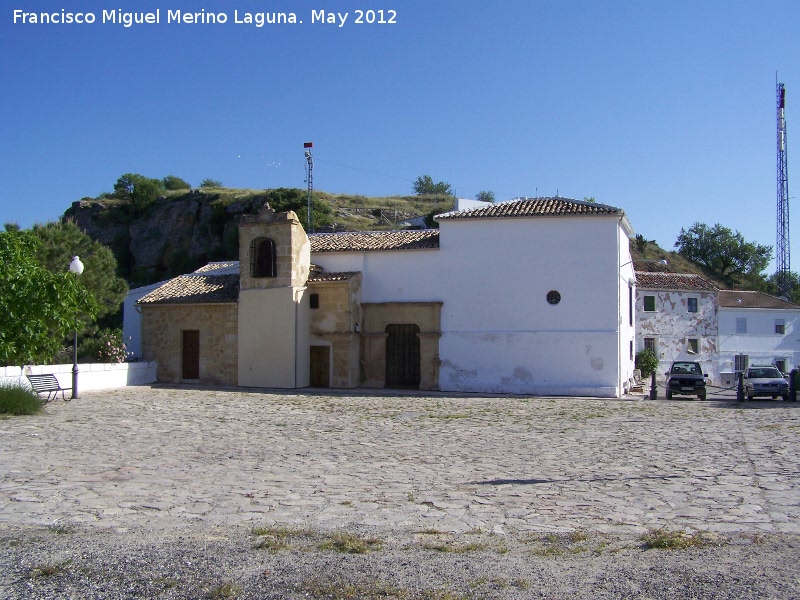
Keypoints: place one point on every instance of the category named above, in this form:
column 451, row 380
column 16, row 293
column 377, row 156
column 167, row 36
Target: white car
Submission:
column 765, row 381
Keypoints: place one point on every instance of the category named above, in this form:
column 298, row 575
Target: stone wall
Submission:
column 336, row 323
column 426, row 315
column 162, row 340
column 292, row 248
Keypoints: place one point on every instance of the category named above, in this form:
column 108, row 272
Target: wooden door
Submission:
column 191, row 354
column 320, row 366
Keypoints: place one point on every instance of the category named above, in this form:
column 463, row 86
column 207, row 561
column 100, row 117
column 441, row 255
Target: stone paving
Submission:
column 168, row 457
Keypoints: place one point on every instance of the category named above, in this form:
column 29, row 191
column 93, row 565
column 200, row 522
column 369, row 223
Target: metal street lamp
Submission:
column 76, row 266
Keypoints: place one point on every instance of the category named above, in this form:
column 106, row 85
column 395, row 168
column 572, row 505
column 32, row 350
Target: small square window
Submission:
column 650, row 304
column 691, row 303
column 780, row 326
column 650, row 344
column 313, row 300
column 693, row 346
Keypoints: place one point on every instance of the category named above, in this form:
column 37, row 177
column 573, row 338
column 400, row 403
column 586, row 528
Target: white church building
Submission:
column 532, row 296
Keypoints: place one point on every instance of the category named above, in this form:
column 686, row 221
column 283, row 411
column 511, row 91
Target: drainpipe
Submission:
column 296, row 341
column 619, row 308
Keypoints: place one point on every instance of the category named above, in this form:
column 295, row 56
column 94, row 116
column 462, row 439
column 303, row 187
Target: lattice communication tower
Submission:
column 782, row 248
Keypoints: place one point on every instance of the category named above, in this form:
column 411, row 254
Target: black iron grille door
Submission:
column 402, row 356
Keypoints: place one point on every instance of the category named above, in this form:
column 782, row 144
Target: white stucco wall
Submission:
column 273, row 338
column 761, row 344
column 499, row 334
column 91, row 376
column 626, row 283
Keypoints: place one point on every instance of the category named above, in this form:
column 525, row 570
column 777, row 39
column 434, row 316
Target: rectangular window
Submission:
column 650, row 344
column 649, row 304
column 631, row 346
column 780, row 326
column 741, row 325
column 693, row 346
column 313, row 300
column 780, row 364
column 691, row 303
column 740, row 362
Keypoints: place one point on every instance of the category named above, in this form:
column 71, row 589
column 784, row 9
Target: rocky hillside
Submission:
column 183, row 230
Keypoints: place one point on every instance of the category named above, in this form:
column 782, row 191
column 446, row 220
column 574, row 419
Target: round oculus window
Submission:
column 553, row 297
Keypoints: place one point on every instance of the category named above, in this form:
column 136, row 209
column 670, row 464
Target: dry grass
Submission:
column 348, row 543
column 276, row 538
column 674, row 540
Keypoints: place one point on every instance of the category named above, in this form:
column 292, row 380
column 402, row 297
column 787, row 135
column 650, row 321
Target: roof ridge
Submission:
column 534, row 207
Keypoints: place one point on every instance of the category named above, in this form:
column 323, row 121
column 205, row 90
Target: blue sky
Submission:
column 665, row 109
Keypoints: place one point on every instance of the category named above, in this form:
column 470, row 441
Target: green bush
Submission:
column 171, row 182
column 15, row 400
column 646, row 362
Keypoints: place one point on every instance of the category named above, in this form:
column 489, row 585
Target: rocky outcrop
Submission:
column 174, row 235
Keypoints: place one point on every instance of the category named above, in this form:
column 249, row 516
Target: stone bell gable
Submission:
column 274, row 250
column 273, row 337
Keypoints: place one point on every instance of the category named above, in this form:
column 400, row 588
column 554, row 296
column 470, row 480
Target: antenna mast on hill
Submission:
column 310, row 179
column 782, row 249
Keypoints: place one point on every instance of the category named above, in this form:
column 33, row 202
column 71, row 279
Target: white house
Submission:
column 756, row 328
column 676, row 318
column 536, row 295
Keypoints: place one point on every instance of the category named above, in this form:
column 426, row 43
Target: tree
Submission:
column 138, row 190
column 210, row 183
column 723, row 253
column 59, row 242
column 485, row 196
column 793, row 279
column 430, row 222
column 39, row 307
column 646, row 362
column 424, row 185
column 170, row 182
column 283, row 199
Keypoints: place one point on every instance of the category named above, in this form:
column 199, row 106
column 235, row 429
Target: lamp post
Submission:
column 76, row 266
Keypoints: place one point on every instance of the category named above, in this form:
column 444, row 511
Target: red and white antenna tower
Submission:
column 782, row 247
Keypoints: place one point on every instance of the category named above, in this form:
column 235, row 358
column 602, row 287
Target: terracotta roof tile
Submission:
column 365, row 241
column 215, row 266
column 341, row 276
column 674, row 281
column 747, row 299
column 195, row 289
column 533, row 207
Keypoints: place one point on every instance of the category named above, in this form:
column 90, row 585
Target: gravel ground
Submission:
column 282, row 562
column 163, row 492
